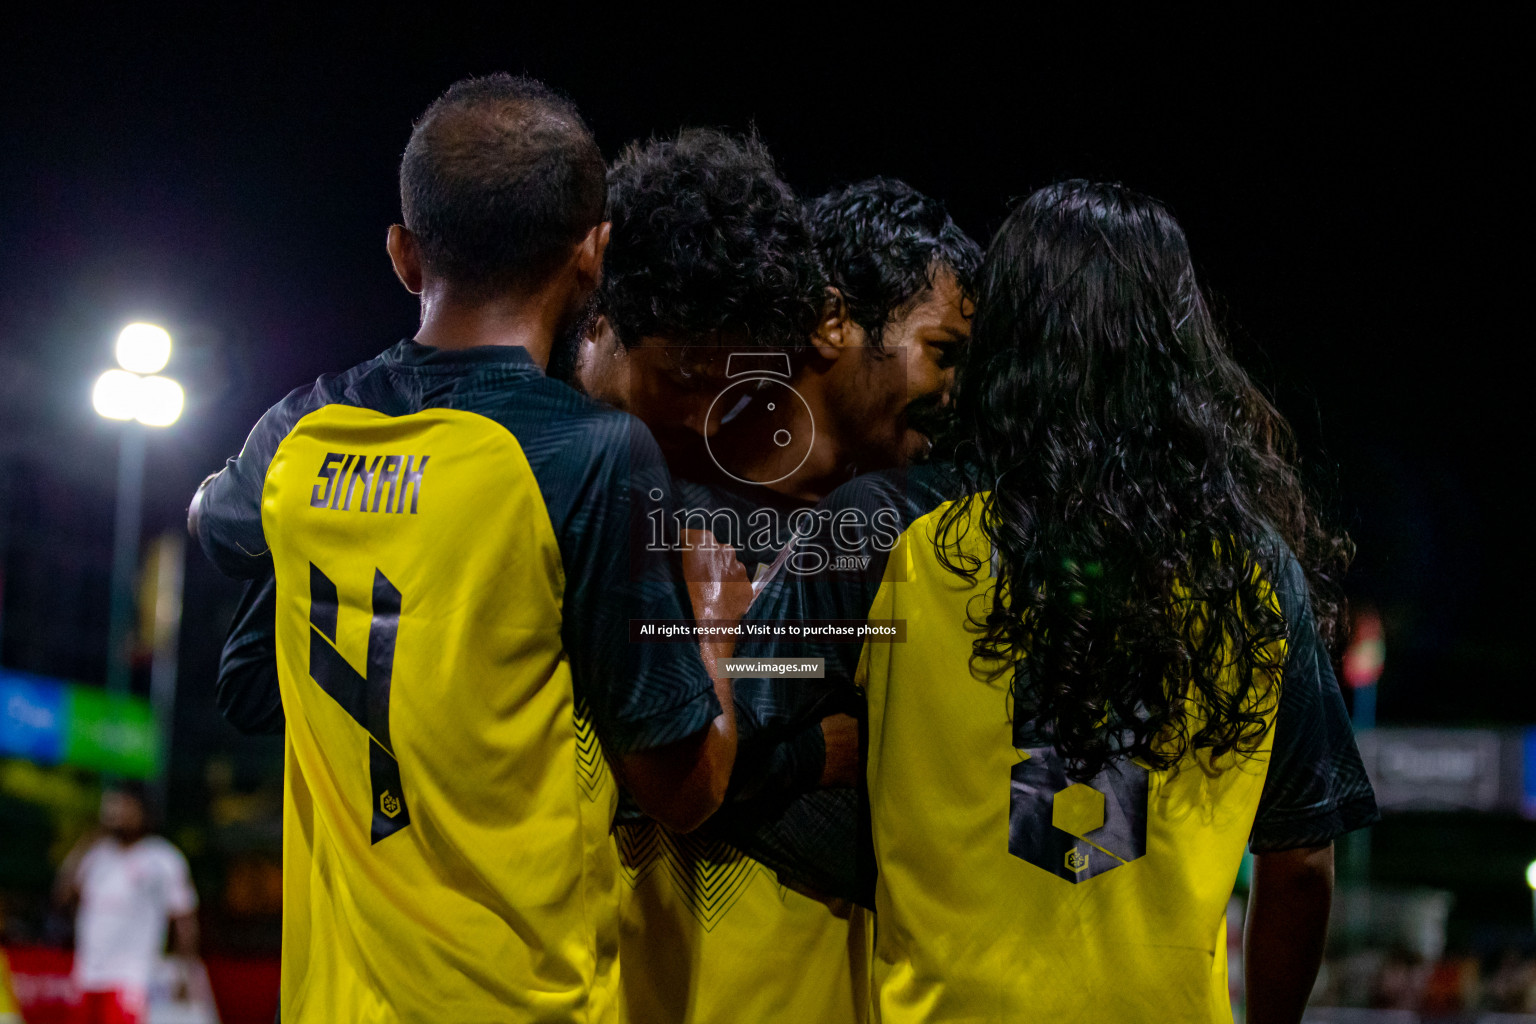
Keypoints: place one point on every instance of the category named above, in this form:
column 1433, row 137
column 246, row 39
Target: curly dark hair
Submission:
column 500, row 178
column 1132, row 481
column 707, row 242
column 881, row 242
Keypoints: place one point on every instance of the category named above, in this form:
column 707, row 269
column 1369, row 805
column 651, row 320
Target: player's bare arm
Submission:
column 682, row 784
column 1287, row 926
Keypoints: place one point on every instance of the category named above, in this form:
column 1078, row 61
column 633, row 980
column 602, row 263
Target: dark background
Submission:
column 1349, row 186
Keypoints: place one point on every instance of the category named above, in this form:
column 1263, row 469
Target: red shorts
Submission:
column 114, row 1006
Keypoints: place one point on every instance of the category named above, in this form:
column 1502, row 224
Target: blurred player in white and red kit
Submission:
column 130, row 885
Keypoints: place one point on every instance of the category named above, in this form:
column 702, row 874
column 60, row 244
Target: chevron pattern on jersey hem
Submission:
column 708, row 874
column 590, row 764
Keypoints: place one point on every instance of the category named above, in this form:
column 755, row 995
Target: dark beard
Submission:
column 567, row 346
column 935, row 422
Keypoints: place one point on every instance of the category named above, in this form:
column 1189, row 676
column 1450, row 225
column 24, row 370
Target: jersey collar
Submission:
column 413, row 353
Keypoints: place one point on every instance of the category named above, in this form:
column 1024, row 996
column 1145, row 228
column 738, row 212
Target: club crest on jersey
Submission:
column 389, row 804
column 1077, row 860
column 381, row 483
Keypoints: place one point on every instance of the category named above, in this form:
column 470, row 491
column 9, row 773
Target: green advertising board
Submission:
column 110, row 732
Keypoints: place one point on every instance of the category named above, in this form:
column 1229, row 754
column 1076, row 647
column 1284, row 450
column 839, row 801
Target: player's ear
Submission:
column 603, row 335
column 589, row 255
column 405, row 255
column 835, row 330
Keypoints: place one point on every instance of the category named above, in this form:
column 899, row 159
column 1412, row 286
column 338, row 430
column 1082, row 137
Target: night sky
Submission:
column 1349, row 189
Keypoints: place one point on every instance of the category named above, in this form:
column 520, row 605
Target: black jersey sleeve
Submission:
column 604, row 489
column 225, row 515
column 1316, row 788
column 777, row 719
column 225, row 518
column 817, row 839
column 791, row 766
column 246, row 690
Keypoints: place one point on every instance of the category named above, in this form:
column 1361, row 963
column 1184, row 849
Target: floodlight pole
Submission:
column 125, row 556
column 170, row 568
column 5, row 525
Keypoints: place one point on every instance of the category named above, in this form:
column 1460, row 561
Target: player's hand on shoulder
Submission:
column 718, row 588
column 717, row 582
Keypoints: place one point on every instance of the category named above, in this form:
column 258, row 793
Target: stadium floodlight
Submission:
column 116, row 395
column 135, row 392
column 160, row 401
column 1530, row 880
column 143, row 348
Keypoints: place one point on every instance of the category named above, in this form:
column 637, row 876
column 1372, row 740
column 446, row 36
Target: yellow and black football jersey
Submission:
column 710, row 935
column 457, row 547
column 1004, row 889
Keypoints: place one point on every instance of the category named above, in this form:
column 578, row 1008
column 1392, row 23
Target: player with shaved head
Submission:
column 450, row 540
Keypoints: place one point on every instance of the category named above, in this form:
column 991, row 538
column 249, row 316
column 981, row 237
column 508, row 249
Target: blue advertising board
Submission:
column 49, row 721
column 32, row 710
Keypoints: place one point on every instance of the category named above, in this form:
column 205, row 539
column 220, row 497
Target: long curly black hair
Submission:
column 1131, row 481
column 707, row 243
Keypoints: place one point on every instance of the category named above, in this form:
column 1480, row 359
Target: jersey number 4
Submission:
column 363, row 696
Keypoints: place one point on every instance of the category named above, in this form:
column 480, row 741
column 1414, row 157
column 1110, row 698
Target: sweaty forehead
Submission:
column 941, row 306
column 705, row 359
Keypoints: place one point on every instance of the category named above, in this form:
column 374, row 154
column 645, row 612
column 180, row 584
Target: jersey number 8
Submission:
column 1076, row 830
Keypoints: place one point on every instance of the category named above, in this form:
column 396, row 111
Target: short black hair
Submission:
column 707, row 240
column 500, row 178
column 881, row 242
